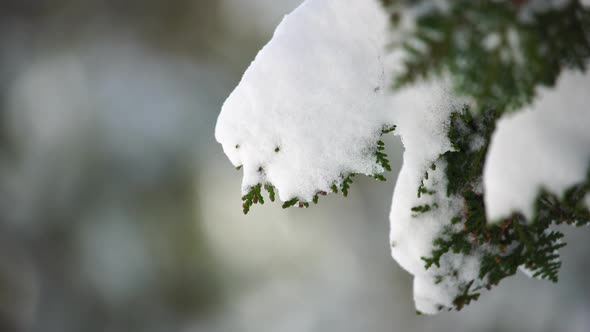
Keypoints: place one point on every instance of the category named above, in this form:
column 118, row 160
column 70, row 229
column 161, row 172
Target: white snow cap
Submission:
column 546, row 145
column 308, row 109
column 423, row 118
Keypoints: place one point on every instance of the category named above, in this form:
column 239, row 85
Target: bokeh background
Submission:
column 120, row 213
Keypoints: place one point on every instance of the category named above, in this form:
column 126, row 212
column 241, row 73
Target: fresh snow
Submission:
column 315, row 92
column 422, row 114
column 546, row 145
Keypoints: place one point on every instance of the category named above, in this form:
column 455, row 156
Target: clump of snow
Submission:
column 422, row 126
column 546, row 145
column 309, row 109
column 423, row 115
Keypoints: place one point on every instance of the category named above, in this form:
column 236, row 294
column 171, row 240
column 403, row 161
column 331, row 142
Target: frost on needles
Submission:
column 489, row 99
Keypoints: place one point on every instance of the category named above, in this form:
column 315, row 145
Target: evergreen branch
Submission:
column 514, row 241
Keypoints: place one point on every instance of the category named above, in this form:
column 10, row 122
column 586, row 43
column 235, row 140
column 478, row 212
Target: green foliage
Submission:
column 334, row 188
column 449, row 242
column 421, row 208
column 465, row 163
column 254, row 196
column 422, row 188
column 290, row 202
column 386, row 129
column 466, row 297
column 382, row 157
column 346, row 185
column 271, row 191
column 490, row 50
column 511, row 243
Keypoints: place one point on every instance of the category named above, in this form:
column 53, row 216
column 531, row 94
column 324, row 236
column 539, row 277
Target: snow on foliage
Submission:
column 311, row 108
column 545, row 146
column 422, row 114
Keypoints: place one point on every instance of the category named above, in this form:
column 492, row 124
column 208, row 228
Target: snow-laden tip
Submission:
column 309, row 108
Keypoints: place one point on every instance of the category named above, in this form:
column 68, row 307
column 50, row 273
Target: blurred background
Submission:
column 120, row 213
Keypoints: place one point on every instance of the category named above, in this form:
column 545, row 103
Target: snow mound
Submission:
column 423, row 126
column 309, row 109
